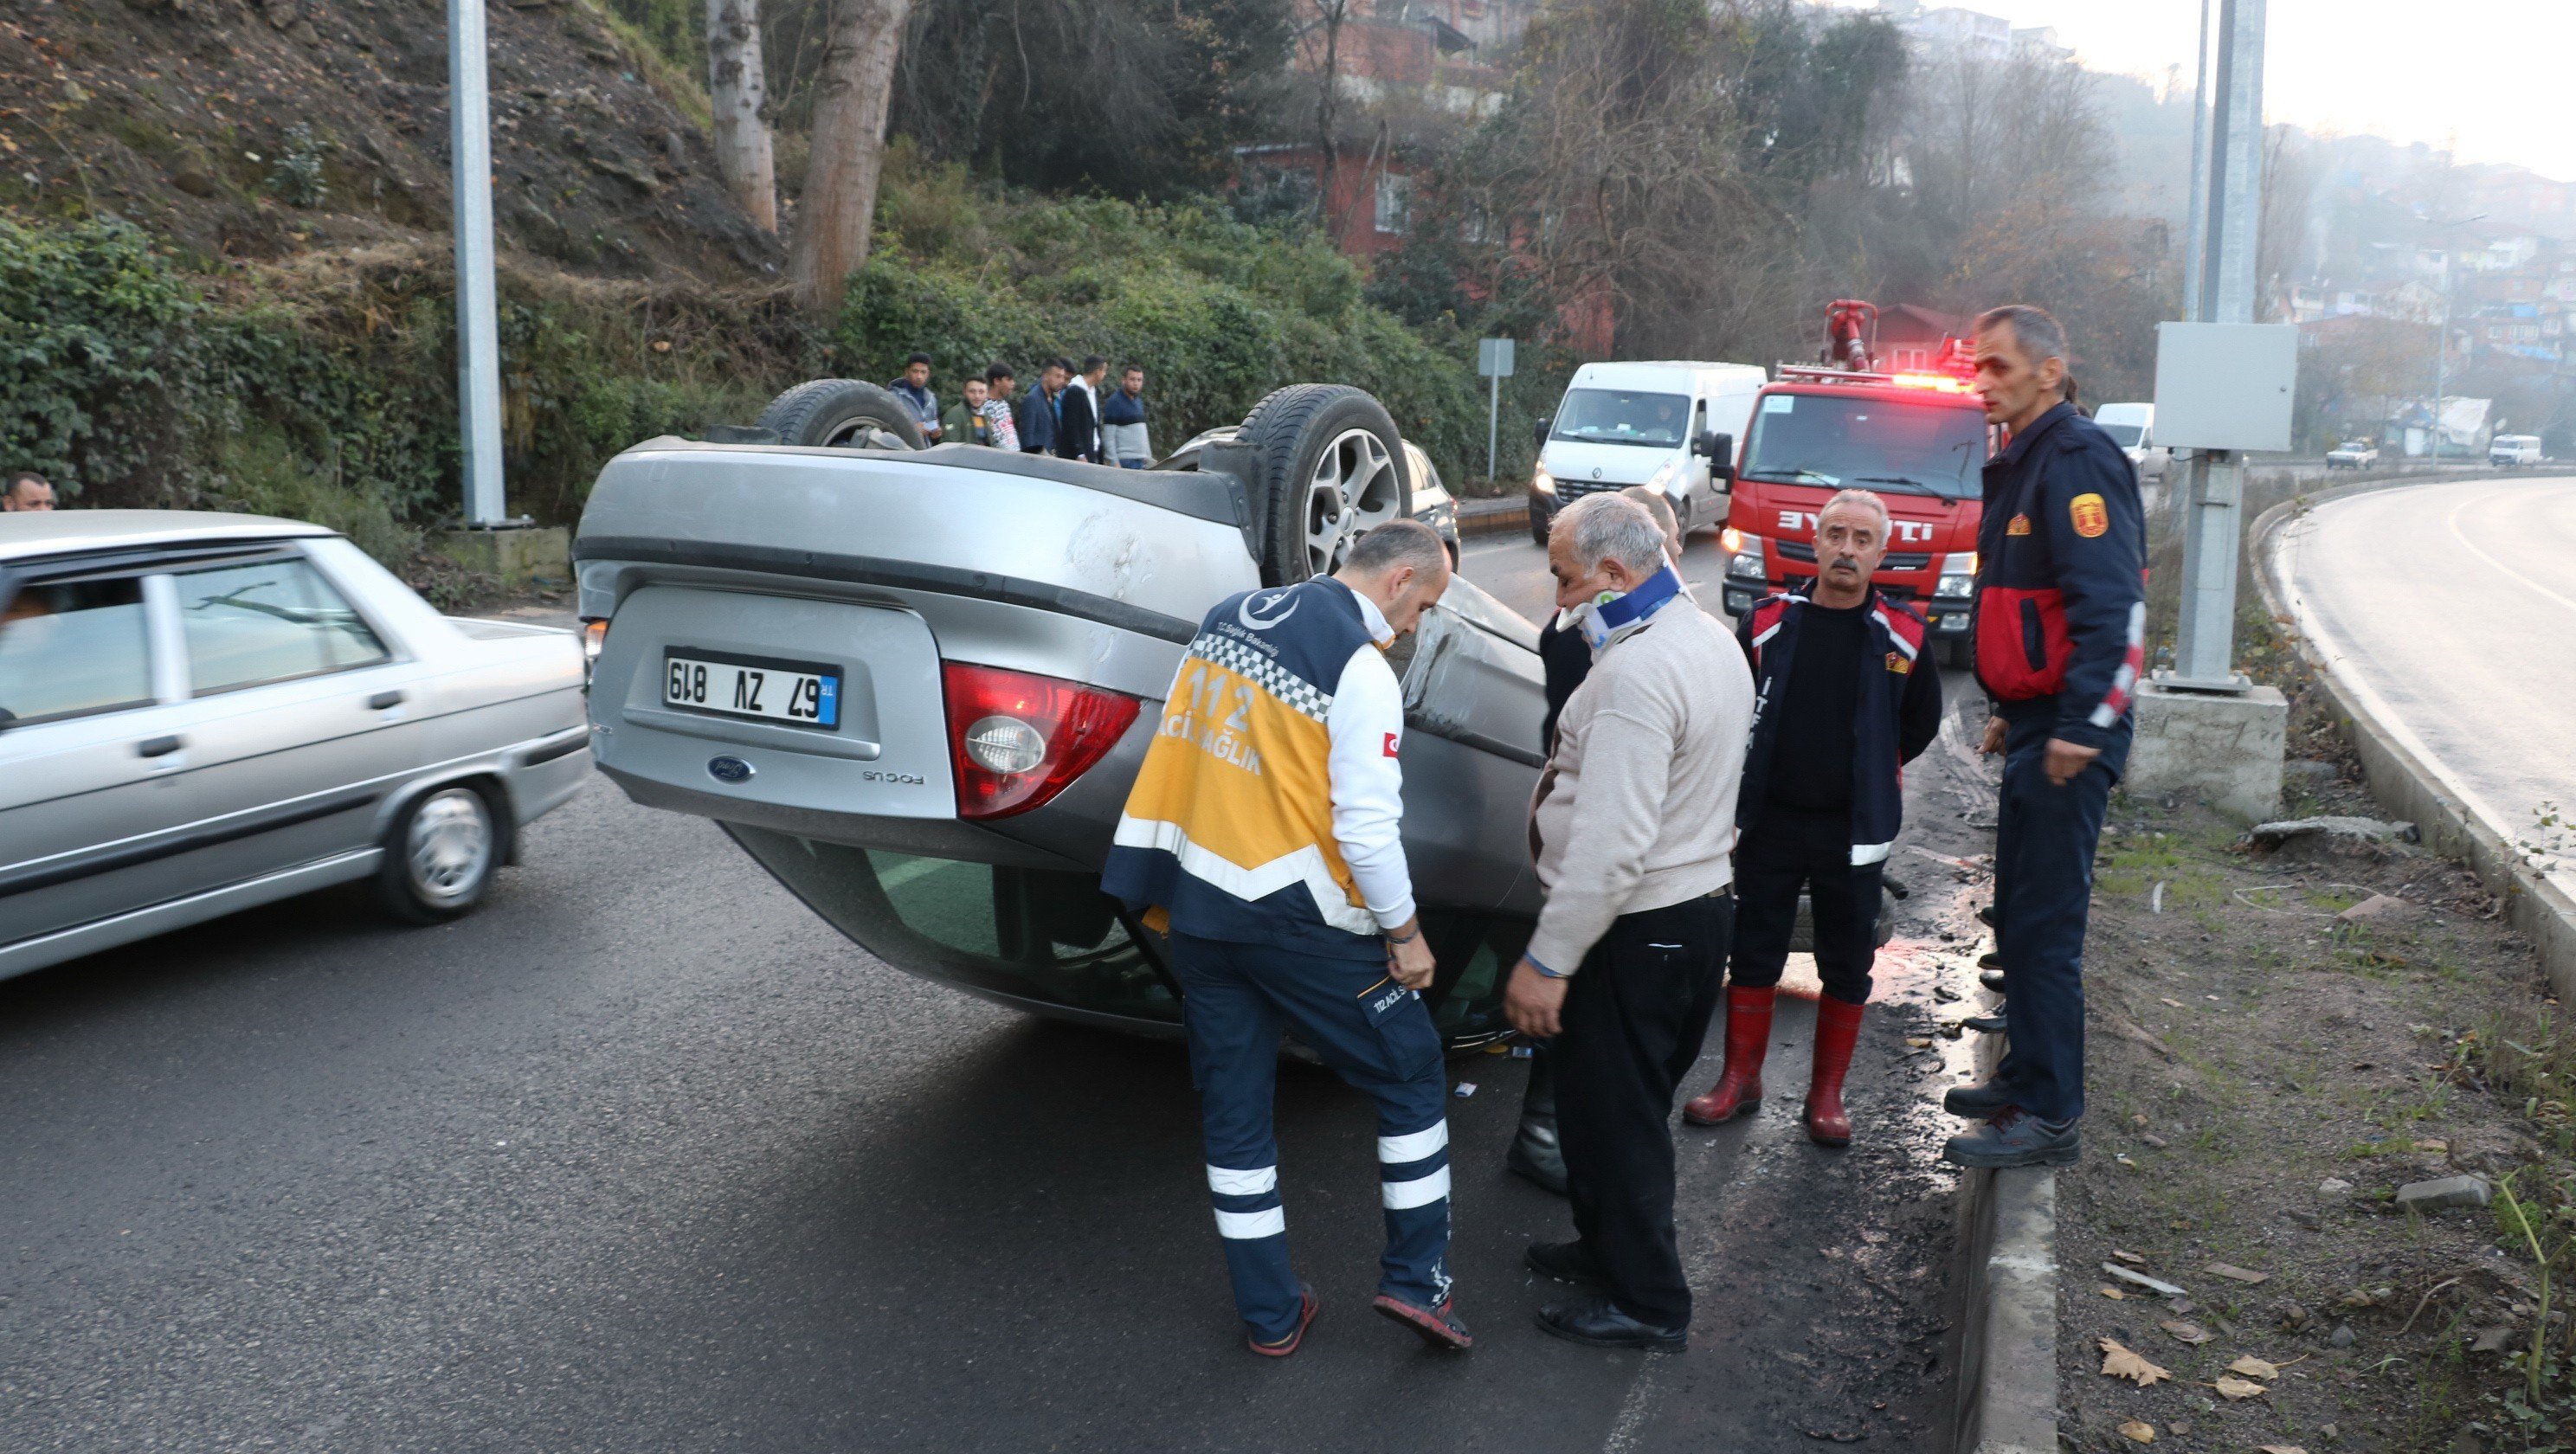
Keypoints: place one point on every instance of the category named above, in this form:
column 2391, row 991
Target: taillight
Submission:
column 1017, row 739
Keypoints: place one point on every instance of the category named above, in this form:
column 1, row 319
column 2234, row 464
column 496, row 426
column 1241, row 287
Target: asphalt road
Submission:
column 2453, row 604
column 645, row 1157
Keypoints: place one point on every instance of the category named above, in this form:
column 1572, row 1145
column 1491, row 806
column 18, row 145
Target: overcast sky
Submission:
column 2481, row 73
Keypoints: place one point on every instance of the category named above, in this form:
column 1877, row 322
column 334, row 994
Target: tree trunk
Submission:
column 739, row 88
column 850, row 101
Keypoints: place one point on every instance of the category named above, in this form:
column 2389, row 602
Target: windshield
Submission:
column 1622, row 416
column 1878, row 443
column 2124, row 435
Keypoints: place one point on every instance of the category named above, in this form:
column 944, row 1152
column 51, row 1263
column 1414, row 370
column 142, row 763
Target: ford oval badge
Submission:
column 729, row 769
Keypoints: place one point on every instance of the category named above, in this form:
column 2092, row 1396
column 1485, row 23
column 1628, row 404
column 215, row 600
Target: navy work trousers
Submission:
column 1631, row 1028
column 1785, row 851
column 2044, row 841
column 1378, row 1036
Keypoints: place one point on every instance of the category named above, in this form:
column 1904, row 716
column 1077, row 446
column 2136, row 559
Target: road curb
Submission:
column 2409, row 785
column 1492, row 517
column 2004, row 1337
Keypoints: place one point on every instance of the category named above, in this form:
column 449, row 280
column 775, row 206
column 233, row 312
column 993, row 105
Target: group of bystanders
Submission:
column 1066, row 414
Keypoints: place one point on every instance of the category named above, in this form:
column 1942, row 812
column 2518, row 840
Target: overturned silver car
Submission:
column 916, row 684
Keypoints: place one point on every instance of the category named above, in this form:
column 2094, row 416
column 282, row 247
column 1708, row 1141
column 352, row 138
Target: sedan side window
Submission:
column 73, row 648
column 269, row 620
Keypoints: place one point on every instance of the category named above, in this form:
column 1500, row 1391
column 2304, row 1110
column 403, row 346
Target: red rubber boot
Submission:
column 1837, row 1031
column 1738, row 1091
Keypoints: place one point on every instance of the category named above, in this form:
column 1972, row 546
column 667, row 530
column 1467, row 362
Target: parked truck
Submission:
column 1918, row 439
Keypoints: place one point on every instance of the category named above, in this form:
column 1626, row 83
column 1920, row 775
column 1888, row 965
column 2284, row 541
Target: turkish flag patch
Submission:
column 1390, row 744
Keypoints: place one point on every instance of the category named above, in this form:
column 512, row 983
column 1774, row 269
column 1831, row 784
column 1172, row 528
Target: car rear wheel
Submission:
column 843, row 414
column 439, row 856
column 1538, row 523
column 1327, row 468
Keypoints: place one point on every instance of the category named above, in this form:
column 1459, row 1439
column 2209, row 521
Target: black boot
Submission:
column 1993, row 979
column 2015, row 1138
column 1535, row 1153
column 1594, row 1323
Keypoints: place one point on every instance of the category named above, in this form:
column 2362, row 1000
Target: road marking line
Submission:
column 1632, row 1412
column 2453, row 521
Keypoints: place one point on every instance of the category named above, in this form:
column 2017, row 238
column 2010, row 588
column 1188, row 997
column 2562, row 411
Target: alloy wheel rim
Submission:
column 863, row 431
column 1353, row 490
column 449, row 847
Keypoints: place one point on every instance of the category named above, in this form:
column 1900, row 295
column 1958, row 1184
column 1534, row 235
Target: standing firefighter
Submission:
column 1262, row 836
column 1843, row 700
column 2061, row 629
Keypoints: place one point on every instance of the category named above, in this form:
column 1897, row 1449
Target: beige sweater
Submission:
column 1636, row 810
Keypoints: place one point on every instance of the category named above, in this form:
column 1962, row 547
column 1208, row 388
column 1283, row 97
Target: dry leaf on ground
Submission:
column 2253, row 1367
column 2186, row 1332
column 2239, row 1388
column 2119, row 1362
column 2280, row 1449
column 2131, row 1258
column 2115, row 1295
column 2138, row 1431
column 2236, row 1274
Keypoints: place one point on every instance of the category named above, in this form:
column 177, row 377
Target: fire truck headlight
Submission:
column 1956, row 588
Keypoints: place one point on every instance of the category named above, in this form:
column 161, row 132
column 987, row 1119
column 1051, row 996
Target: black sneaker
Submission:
column 1439, row 1327
column 1563, row 1262
column 1977, row 1102
column 2015, row 1138
column 1984, row 1024
column 1986, row 915
column 1594, row 1323
column 1993, row 979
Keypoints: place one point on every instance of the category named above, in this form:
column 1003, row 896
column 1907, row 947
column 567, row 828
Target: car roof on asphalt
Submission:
column 24, row 534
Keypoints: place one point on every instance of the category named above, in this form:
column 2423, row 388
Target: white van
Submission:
column 2508, row 450
column 1670, row 425
column 2133, row 428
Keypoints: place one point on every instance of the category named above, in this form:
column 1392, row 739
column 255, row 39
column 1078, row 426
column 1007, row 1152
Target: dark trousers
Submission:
column 1785, row 851
column 1375, row 1034
column 2044, row 841
column 1632, row 1024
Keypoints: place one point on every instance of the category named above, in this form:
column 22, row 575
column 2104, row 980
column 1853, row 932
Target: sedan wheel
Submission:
column 440, row 856
column 1353, row 490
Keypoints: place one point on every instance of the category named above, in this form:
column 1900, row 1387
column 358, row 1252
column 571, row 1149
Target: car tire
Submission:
column 440, row 855
column 843, row 414
column 1327, row 466
column 1538, row 523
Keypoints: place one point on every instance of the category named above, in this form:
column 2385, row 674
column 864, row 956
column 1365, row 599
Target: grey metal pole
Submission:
column 2205, row 635
column 2193, row 237
column 478, row 348
column 1493, row 421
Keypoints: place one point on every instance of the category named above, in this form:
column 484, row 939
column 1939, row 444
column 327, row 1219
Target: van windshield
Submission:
column 1622, row 416
column 2124, row 435
column 1869, row 441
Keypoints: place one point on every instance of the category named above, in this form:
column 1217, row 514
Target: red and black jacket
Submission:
column 1900, row 713
column 2061, row 579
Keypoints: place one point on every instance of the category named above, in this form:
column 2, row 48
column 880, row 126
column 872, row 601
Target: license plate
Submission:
column 803, row 694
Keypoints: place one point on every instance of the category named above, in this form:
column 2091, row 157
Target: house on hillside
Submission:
column 1909, row 336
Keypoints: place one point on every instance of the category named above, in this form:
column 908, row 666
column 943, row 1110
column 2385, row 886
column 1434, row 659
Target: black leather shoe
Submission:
column 1987, row 916
column 2016, row 1138
column 1536, row 1156
column 1991, row 959
column 1977, row 1102
column 1993, row 979
column 1439, row 1327
column 1594, row 1323
column 1984, row 1024
column 1564, row 1262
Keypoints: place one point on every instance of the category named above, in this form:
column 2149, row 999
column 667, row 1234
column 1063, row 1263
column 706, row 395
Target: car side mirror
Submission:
column 1538, row 434
column 1720, row 449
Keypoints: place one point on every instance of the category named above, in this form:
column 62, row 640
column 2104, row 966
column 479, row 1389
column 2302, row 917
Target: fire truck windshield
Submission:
column 1868, row 440
column 1622, row 416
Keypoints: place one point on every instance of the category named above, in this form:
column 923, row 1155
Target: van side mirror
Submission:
column 1538, row 434
column 1720, row 449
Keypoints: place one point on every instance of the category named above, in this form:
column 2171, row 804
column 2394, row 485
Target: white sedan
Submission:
column 201, row 712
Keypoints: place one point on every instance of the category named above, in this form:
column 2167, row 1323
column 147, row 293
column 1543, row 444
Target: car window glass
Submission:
column 267, row 621
column 73, row 648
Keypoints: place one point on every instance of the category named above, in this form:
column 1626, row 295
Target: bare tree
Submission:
column 1328, row 95
column 738, row 85
column 850, row 100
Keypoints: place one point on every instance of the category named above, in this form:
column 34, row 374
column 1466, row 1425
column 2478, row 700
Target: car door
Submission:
column 302, row 713
column 90, row 692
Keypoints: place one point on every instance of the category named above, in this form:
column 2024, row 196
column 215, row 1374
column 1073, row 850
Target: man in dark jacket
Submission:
column 1078, row 427
column 1042, row 416
column 2061, row 631
column 1844, row 699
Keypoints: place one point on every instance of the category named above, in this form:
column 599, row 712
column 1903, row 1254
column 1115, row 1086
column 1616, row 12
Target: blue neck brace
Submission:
column 1611, row 616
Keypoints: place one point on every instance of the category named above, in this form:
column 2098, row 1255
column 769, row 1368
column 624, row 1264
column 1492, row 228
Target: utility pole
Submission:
column 478, row 325
column 2205, row 636
column 1494, row 361
column 2199, row 222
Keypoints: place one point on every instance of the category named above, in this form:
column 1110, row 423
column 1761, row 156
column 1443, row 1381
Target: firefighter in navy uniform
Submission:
column 1262, row 836
column 1844, row 698
column 2061, row 631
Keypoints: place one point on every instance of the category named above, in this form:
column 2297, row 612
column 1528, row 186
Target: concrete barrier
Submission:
column 2408, row 784
column 1492, row 517
column 2003, row 1327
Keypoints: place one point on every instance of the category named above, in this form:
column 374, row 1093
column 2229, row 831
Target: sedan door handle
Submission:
column 158, row 746
column 382, row 700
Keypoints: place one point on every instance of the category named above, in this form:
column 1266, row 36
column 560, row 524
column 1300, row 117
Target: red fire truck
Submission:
column 1918, row 439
